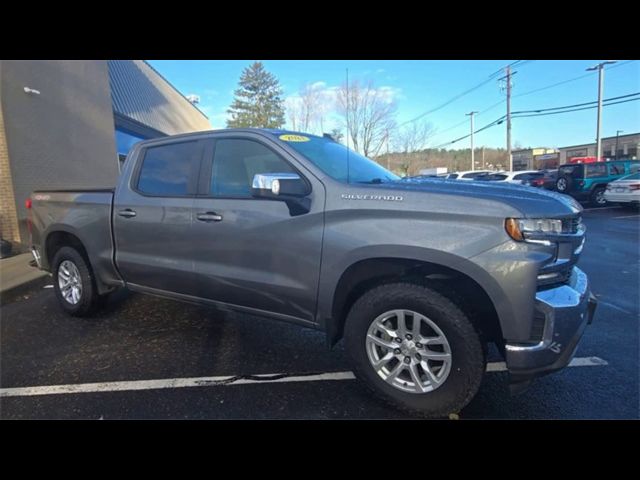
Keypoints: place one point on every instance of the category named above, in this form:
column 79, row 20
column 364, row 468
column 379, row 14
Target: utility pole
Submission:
column 483, row 157
column 507, row 79
column 618, row 132
column 388, row 159
column 600, row 68
column 509, row 118
column 473, row 163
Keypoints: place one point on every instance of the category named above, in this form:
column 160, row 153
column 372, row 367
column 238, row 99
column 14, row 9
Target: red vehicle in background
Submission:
column 584, row 160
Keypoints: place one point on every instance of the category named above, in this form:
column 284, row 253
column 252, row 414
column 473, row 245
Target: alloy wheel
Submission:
column 70, row 282
column 408, row 351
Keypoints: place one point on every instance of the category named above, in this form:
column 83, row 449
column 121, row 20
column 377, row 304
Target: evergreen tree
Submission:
column 257, row 101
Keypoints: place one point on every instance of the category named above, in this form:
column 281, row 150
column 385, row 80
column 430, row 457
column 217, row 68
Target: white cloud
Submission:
column 390, row 94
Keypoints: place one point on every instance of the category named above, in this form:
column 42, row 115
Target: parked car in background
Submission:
column 624, row 191
column 467, row 174
column 547, row 180
column 517, row 178
column 588, row 181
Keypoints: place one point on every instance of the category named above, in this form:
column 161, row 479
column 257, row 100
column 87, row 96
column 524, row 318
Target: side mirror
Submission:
column 279, row 185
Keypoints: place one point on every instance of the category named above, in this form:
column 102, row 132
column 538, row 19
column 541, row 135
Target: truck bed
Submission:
column 83, row 213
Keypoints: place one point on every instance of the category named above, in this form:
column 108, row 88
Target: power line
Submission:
column 500, row 120
column 621, row 64
column 464, row 122
column 577, row 109
column 553, row 85
column 569, row 80
column 460, row 95
column 441, row 106
column 519, row 63
column 576, row 105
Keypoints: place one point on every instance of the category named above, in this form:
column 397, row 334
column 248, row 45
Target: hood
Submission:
column 529, row 201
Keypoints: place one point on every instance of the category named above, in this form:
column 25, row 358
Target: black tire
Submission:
column 88, row 297
column 468, row 361
column 563, row 184
column 597, row 197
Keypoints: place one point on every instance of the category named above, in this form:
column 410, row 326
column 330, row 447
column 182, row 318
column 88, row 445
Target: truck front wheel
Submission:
column 415, row 349
column 73, row 282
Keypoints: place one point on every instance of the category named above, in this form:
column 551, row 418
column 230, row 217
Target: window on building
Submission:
column 235, row 163
column 632, row 151
column 582, row 152
column 167, row 170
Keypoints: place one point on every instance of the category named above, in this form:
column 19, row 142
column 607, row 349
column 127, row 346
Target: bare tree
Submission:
column 368, row 116
column 410, row 140
column 306, row 109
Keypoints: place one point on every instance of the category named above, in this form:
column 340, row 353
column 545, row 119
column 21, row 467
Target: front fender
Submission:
column 332, row 272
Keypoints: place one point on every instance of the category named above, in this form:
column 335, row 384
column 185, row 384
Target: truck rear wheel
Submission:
column 415, row 349
column 73, row 282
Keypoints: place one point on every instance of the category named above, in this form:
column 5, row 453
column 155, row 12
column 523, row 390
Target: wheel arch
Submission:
column 461, row 281
column 59, row 238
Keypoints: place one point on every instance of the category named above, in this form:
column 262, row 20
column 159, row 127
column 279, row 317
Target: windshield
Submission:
column 331, row 157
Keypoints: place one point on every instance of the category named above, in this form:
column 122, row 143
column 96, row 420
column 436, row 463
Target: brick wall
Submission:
column 8, row 216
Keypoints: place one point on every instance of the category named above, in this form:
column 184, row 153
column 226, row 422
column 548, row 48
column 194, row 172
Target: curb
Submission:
column 13, row 294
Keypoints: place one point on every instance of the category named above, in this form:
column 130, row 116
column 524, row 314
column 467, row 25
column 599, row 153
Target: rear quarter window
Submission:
column 527, row 176
column 571, row 170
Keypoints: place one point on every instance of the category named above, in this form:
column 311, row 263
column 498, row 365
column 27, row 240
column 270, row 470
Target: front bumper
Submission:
column 567, row 310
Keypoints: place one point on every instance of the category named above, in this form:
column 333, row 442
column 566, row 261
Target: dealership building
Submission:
column 70, row 124
column 627, row 148
column 535, row 159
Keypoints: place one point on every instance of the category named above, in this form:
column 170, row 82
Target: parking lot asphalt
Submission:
column 139, row 338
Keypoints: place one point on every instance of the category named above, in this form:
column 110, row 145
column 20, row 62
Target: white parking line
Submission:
column 217, row 381
column 627, row 216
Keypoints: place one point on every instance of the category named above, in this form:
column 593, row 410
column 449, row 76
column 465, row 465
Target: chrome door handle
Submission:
column 127, row 213
column 209, row 217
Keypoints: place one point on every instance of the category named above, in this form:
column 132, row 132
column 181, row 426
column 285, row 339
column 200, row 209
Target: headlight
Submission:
column 520, row 228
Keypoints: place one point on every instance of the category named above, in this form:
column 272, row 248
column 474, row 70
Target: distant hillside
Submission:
column 412, row 163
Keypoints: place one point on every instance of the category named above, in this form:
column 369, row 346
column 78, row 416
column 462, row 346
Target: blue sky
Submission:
column 420, row 85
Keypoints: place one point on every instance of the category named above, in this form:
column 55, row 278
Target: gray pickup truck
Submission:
column 417, row 277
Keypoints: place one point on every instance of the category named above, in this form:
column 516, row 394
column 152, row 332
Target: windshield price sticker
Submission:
column 294, row 138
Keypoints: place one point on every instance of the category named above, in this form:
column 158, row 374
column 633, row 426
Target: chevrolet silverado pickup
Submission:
column 418, row 277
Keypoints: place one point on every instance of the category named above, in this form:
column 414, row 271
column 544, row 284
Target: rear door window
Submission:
column 170, row 170
column 596, row 170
